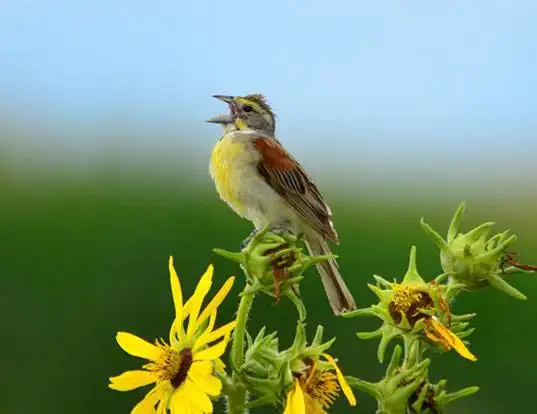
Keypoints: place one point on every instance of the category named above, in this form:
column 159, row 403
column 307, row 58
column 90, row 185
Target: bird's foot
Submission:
column 281, row 230
column 248, row 239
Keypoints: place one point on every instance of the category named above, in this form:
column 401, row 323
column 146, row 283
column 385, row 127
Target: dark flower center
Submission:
column 409, row 302
column 184, row 366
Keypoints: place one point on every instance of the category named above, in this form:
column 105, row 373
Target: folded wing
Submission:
column 285, row 175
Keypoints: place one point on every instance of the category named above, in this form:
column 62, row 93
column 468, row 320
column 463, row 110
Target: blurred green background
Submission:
column 84, row 254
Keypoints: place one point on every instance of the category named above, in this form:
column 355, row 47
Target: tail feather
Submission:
column 339, row 296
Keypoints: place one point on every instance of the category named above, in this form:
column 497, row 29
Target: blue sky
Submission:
column 384, row 75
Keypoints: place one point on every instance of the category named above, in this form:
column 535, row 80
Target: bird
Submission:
column 255, row 175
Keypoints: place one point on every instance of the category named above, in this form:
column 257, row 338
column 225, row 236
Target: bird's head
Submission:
column 250, row 111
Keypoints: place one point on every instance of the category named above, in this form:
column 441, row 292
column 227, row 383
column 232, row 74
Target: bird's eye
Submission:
column 247, row 108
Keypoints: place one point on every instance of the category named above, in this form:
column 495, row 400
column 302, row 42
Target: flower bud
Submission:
column 263, row 369
column 406, row 389
column 472, row 260
column 274, row 264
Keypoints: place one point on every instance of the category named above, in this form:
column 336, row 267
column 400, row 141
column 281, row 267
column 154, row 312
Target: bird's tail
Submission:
column 339, row 296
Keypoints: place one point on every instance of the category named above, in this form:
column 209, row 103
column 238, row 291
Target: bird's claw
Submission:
column 281, row 230
column 248, row 239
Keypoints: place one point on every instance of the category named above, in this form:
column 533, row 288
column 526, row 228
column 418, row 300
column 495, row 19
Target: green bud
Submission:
column 263, row 369
column 472, row 260
column 394, row 391
column 406, row 388
column 300, row 351
column 274, row 264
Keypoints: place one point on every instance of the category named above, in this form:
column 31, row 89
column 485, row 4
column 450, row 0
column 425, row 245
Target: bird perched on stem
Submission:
column 264, row 184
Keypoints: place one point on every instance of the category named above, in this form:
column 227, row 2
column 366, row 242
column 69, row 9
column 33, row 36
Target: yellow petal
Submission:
column 144, row 407
column 198, row 396
column 137, row 347
column 180, row 402
column 147, row 405
column 177, row 333
column 312, row 406
column 295, row 401
column 201, row 373
column 212, row 321
column 187, row 306
column 161, row 408
column 288, row 404
column 177, row 330
column 433, row 336
column 213, row 352
column 131, row 380
column 177, row 294
column 209, row 337
column 175, row 405
column 342, row 382
column 197, row 299
column 451, row 339
column 217, row 300
column 208, row 329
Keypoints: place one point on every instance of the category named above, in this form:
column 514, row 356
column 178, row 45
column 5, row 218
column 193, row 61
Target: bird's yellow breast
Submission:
column 225, row 167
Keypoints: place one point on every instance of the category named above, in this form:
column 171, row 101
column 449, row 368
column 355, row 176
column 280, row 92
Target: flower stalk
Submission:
column 237, row 393
column 302, row 375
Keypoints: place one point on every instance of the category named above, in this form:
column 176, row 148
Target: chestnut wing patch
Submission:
column 285, row 175
column 273, row 155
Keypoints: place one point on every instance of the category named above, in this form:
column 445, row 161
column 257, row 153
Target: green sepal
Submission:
column 500, row 284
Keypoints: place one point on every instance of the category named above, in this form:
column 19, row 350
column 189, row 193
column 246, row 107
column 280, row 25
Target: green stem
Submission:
column 239, row 333
column 407, row 359
column 413, row 352
column 237, row 393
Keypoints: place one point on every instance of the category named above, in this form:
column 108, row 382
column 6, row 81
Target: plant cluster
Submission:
column 188, row 371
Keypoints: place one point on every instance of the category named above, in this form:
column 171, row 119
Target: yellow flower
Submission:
column 316, row 390
column 183, row 371
column 410, row 301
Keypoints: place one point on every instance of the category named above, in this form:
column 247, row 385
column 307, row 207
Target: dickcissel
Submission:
column 264, row 184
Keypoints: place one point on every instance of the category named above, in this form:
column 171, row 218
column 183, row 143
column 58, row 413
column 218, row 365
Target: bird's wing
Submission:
column 285, row 175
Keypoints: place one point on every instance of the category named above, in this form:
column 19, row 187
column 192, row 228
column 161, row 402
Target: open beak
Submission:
column 221, row 119
column 225, row 98
column 225, row 118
